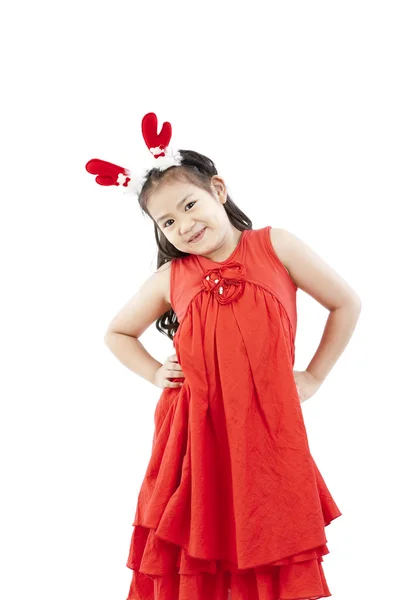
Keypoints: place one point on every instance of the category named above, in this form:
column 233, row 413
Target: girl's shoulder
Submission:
column 274, row 239
column 165, row 272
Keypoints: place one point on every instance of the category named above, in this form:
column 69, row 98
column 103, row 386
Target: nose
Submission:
column 187, row 228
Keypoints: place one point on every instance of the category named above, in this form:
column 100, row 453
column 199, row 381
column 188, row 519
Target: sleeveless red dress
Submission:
column 232, row 506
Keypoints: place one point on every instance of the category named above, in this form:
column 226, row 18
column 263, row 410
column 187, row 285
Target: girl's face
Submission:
column 182, row 209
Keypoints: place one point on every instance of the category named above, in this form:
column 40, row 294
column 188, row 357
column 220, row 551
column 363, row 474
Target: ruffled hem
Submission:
column 165, row 571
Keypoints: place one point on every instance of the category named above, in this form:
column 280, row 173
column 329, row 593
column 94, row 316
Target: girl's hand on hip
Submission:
column 306, row 384
column 171, row 369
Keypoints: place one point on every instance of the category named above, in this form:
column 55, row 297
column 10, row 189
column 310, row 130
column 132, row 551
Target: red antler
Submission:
column 150, row 135
column 107, row 173
column 111, row 174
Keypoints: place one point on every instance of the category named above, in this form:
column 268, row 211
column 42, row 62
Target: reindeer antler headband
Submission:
column 162, row 158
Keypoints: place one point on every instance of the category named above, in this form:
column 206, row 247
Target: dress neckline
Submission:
column 206, row 260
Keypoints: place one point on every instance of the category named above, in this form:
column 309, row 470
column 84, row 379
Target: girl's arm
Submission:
column 146, row 305
column 311, row 274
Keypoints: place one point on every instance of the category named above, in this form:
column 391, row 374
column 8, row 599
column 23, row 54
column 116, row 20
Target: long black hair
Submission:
column 198, row 170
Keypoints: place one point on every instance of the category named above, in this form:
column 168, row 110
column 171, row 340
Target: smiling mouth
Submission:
column 197, row 236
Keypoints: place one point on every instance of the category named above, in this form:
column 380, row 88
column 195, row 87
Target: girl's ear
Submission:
column 218, row 185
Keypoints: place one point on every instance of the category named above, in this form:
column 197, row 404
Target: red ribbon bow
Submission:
column 225, row 282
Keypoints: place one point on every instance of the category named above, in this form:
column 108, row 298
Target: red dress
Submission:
column 232, row 506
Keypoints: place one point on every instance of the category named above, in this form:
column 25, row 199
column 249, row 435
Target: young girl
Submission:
column 232, row 505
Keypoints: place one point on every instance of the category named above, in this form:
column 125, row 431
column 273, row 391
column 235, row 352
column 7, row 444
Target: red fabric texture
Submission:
column 232, row 506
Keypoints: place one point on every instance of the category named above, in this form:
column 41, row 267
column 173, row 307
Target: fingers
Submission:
column 174, row 359
column 172, row 384
column 175, row 371
column 174, row 367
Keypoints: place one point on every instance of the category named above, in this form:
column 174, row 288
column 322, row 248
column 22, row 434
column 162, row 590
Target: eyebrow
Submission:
column 177, row 206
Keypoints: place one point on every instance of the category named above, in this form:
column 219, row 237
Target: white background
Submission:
column 298, row 104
